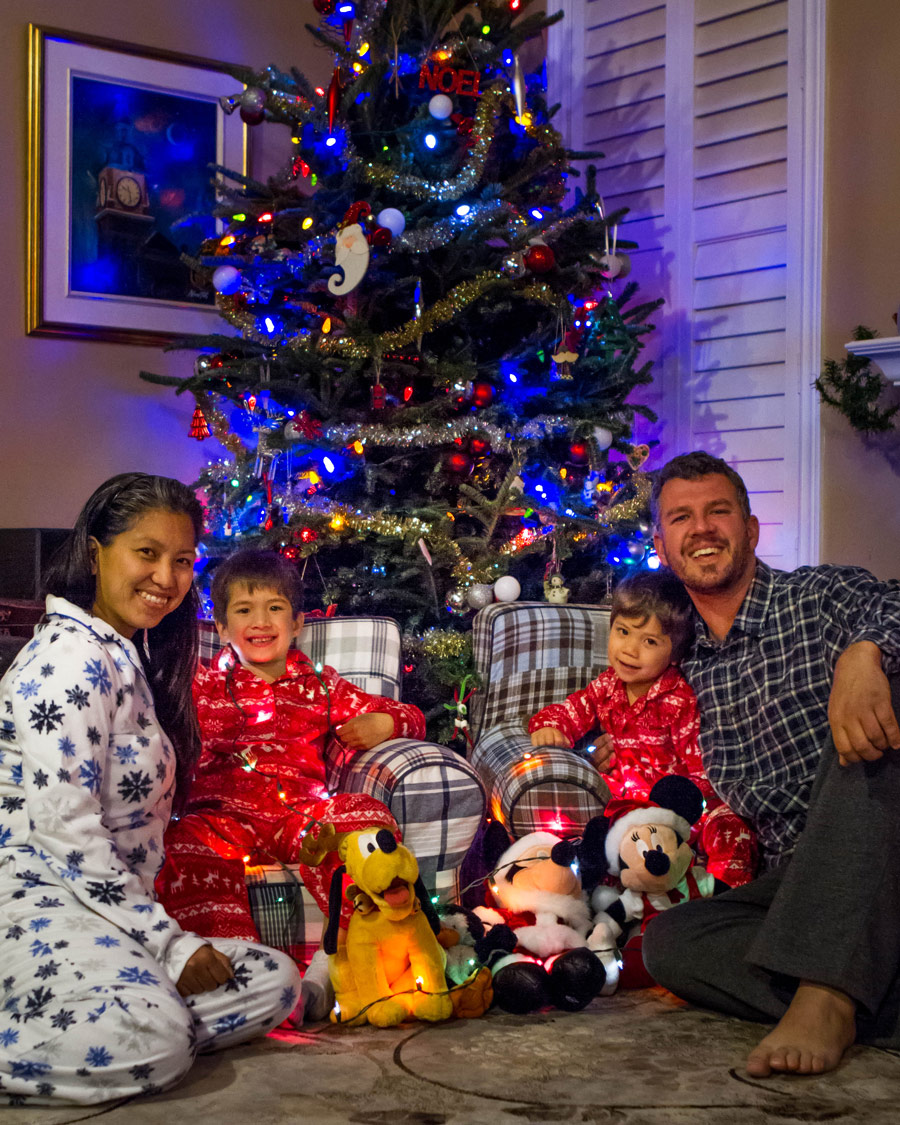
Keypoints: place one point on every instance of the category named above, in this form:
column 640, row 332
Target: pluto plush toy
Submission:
column 647, row 848
column 540, row 941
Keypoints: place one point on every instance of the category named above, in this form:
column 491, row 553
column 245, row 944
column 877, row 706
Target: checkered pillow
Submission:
column 530, row 654
column 286, row 914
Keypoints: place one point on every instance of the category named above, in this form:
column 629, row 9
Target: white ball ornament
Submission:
column 603, row 437
column 226, row 279
column 394, row 220
column 440, row 107
column 507, row 588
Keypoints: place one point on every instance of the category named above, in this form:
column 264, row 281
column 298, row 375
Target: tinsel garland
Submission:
column 467, row 179
column 445, row 230
column 428, row 434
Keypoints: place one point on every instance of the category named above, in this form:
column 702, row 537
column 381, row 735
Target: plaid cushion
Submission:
column 284, row 911
column 530, row 654
column 364, row 650
column 552, row 790
column 435, row 796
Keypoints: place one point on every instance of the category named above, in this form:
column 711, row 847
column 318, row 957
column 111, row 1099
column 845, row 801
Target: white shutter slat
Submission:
column 717, row 34
column 598, row 12
column 739, row 414
column 739, row 320
column 742, row 184
column 731, row 255
column 739, row 382
column 742, row 59
column 739, row 351
column 708, row 10
column 748, row 445
column 760, row 213
column 625, row 120
column 744, row 152
column 645, row 145
column 742, row 89
column 602, row 92
column 630, row 60
column 628, row 28
column 742, row 121
column 755, row 285
column 760, row 476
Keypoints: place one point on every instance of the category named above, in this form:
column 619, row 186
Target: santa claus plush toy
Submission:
column 540, row 941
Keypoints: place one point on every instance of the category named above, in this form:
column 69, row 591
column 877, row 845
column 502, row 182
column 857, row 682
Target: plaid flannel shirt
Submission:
column 763, row 691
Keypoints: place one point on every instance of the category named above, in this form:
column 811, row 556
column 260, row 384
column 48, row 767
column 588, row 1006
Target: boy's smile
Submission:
column 260, row 626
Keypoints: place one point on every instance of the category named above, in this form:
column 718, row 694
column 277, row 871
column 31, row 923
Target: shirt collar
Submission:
column 102, row 630
column 298, row 664
column 751, row 617
column 660, row 686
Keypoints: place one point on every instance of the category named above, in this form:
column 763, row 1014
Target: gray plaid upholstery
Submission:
column 435, row 795
column 530, row 654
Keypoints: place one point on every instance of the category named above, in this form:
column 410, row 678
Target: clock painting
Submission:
column 122, row 141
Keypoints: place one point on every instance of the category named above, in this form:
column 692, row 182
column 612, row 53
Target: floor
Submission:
column 638, row 1058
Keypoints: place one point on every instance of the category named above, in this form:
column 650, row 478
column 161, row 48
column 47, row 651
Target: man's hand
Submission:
column 603, row 756
column 206, row 970
column 366, row 731
column 549, row 736
column 862, row 720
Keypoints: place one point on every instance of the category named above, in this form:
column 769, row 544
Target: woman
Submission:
column 104, row 995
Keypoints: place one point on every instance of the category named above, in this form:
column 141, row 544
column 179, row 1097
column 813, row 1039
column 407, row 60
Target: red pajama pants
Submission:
column 201, row 883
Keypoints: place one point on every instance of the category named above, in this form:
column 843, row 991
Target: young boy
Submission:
column 650, row 716
column 265, row 716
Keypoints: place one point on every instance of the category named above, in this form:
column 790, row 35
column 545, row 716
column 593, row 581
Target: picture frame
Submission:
column 120, row 139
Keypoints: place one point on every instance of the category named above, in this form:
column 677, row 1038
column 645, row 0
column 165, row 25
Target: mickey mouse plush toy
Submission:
column 539, row 934
column 647, row 847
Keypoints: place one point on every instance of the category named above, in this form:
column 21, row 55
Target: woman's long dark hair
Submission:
column 170, row 658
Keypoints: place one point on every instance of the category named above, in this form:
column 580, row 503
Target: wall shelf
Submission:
column 884, row 350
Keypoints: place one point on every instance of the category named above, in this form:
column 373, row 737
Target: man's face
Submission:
column 703, row 537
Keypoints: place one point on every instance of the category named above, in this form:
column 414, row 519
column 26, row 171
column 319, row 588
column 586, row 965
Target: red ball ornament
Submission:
column 324, row 7
column 539, row 258
column 290, row 553
column 459, row 464
column 252, row 115
column 479, row 446
column 309, row 535
column 578, row 452
column 483, row 394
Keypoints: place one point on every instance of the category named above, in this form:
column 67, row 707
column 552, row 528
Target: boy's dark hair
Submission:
column 659, row 594
column 692, row 466
column 256, row 570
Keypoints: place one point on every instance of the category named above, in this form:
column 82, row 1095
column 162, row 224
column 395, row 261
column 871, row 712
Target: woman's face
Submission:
column 144, row 572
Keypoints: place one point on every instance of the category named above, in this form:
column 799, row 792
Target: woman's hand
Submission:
column 366, row 731
column 205, row 971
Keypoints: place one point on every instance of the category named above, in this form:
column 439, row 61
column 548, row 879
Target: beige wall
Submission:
column 861, row 479
column 74, row 412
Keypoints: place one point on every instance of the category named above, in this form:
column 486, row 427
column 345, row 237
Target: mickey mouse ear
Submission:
column 680, row 795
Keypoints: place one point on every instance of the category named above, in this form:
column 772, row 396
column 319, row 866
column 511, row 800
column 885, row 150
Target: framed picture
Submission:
column 120, row 143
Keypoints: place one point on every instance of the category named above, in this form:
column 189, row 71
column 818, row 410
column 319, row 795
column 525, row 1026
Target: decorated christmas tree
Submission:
column 426, row 404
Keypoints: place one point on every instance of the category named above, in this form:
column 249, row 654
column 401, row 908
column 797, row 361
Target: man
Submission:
column 790, row 675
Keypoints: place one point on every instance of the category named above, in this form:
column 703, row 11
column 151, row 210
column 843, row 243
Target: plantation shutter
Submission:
column 708, row 113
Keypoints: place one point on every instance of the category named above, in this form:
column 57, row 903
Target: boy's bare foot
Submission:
column 812, row 1035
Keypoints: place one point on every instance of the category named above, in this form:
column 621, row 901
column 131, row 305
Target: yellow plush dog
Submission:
column 390, row 967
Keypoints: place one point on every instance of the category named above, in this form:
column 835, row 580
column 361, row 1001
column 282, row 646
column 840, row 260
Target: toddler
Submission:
column 650, row 716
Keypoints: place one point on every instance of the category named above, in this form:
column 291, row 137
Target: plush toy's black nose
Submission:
column 385, row 840
column 657, row 863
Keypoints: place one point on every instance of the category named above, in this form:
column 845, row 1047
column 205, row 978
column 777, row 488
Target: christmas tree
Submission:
column 429, row 389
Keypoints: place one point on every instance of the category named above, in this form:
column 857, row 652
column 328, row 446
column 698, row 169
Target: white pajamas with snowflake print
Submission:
column 88, row 957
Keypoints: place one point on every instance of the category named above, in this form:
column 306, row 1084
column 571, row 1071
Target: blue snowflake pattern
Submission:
column 37, row 924
column 15, row 774
column 63, row 775
column 91, row 773
column 39, row 949
column 40, row 779
column 288, row 999
column 93, row 736
column 107, row 941
column 126, row 754
column 98, row 676
column 67, row 747
column 12, row 804
column 8, row 1037
column 230, row 1022
column 5, row 834
column 47, row 969
column 136, row 856
column 36, row 1003
column 108, row 892
column 163, row 924
column 98, row 1056
column 63, row 1019
column 46, row 670
column 48, row 903
column 142, row 721
column 134, row 974
column 28, row 1068
column 28, row 688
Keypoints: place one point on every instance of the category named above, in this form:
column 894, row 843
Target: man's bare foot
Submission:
column 812, row 1035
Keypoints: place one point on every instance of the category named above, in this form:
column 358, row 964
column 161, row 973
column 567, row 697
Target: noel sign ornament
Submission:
column 446, row 80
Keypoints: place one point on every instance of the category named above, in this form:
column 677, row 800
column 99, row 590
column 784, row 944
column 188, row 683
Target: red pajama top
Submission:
column 285, row 724
column 655, row 736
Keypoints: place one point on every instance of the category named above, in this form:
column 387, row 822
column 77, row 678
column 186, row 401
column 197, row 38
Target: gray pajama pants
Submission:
column 830, row 914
